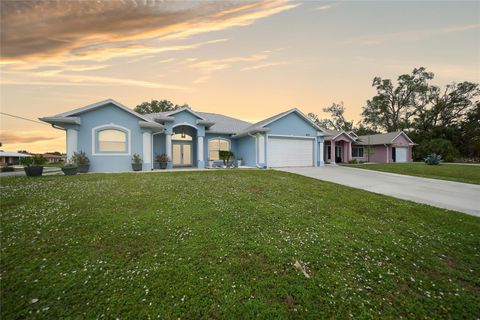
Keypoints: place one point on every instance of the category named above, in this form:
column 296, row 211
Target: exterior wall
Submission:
column 292, row 125
column 379, row 153
column 109, row 115
column 246, row 148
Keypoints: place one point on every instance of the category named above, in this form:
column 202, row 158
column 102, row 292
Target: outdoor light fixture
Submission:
column 183, row 133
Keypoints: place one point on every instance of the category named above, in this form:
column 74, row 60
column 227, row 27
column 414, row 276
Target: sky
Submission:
column 249, row 60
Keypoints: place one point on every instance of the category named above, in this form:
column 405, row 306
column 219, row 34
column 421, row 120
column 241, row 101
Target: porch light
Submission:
column 183, row 133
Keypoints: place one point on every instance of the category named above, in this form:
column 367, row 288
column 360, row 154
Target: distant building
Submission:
column 11, row 158
column 53, row 158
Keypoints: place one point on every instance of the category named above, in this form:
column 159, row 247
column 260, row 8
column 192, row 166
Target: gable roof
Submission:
column 98, row 105
column 382, row 138
column 333, row 134
column 171, row 113
column 261, row 125
column 224, row 124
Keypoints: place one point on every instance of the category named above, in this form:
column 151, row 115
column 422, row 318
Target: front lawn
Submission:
column 222, row 244
column 444, row 171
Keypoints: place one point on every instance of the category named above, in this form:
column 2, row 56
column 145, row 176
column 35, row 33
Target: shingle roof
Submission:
column 381, row 138
column 223, row 124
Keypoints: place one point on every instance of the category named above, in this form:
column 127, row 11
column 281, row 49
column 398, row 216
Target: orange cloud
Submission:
column 69, row 30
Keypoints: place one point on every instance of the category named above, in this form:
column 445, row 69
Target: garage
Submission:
column 289, row 152
column 401, row 154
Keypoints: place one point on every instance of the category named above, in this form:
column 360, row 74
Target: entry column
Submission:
column 332, row 152
column 200, row 156
column 168, row 149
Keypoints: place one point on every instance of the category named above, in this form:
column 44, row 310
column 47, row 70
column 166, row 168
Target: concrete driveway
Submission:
column 463, row 197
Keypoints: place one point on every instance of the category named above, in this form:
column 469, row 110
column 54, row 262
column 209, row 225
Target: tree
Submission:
column 157, row 106
column 337, row 120
column 394, row 106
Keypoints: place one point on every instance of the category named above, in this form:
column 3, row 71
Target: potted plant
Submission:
column 239, row 162
column 33, row 166
column 82, row 161
column 136, row 162
column 69, row 168
column 162, row 160
column 225, row 155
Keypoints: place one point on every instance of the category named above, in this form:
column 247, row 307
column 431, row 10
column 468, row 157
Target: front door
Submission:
column 182, row 154
column 338, row 154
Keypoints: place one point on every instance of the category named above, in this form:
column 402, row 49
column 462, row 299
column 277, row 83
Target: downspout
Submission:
column 256, row 155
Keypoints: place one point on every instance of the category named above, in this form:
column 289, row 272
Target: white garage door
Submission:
column 289, row 152
column 400, row 154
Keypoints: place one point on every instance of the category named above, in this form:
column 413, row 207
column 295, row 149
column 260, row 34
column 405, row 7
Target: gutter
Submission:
column 256, row 155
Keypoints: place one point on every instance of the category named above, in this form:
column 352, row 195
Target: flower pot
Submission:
column 33, row 171
column 70, row 171
column 210, row 163
column 239, row 163
column 136, row 166
column 83, row 168
column 163, row 165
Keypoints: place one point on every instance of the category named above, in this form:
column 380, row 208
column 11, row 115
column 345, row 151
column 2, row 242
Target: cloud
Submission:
column 69, row 30
column 414, row 35
column 17, row 137
column 55, row 78
column 208, row 67
column 265, row 65
column 327, row 6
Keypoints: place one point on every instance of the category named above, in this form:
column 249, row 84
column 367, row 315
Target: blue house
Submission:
column 110, row 134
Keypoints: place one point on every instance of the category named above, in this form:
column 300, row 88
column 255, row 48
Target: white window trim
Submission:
column 112, row 126
column 217, row 138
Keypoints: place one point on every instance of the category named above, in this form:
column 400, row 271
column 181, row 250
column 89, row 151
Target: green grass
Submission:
column 222, row 244
column 452, row 172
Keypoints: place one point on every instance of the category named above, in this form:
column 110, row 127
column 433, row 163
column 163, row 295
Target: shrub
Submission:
column 26, row 161
column 162, row 158
column 225, row 156
column 441, row 147
column 80, row 158
column 433, row 159
column 39, row 160
column 136, row 159
column 353, row 161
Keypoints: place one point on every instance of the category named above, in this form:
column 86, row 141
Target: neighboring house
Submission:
column 11, row 158
column 53, row 158
column 384, row 147
column 110, row 133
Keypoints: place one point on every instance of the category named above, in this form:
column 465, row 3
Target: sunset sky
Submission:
column 248, row 60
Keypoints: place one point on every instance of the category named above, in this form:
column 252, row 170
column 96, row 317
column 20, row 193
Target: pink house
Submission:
column 384, row 147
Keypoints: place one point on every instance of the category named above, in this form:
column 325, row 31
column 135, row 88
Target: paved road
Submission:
column 20, row 173
column 463, row 197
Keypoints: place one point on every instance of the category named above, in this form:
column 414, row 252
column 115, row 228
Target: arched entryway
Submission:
column 183, row 146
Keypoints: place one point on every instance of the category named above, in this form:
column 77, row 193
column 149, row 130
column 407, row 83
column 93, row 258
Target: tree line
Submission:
column 439, row 120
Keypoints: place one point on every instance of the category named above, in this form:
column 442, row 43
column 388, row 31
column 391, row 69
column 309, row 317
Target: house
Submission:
column 53, row 158
column 11, row 158
column 384, row 147
column 110, row 134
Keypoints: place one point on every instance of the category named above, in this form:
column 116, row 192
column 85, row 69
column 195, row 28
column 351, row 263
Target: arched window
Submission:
column 216, row 145
column 181, row 137
column 112, row 140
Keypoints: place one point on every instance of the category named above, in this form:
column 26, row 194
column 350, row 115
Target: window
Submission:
column 181, row 137
column 112, row 140
column 357, row 152
column 216, row 145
